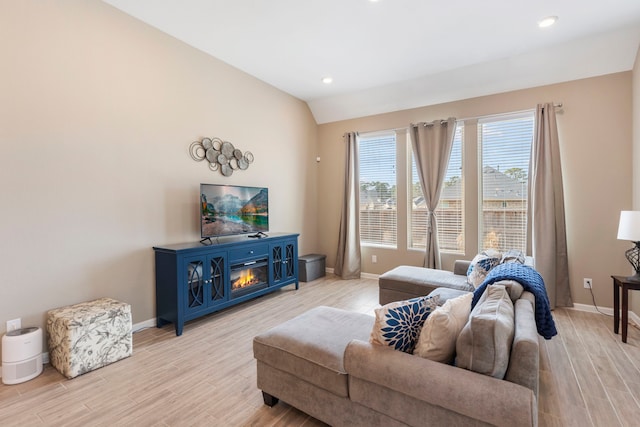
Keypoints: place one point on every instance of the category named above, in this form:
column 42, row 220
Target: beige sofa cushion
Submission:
column 485, row 342
column 438, row 337
column 311, row 346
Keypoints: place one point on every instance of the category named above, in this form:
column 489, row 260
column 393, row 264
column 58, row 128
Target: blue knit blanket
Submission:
column 531, row 281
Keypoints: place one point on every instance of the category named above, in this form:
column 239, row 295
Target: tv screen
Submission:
column 231, row 209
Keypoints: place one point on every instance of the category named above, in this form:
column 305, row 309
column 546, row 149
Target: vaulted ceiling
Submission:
column 390, row 55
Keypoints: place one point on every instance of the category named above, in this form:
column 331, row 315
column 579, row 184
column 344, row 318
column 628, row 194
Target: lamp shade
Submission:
column 629, row 227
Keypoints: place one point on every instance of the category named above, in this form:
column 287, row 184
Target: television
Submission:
column 231, row 209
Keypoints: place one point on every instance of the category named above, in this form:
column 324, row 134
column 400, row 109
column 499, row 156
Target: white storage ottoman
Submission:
column 89, row 335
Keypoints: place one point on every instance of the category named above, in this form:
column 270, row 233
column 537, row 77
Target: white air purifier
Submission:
column 21, row 355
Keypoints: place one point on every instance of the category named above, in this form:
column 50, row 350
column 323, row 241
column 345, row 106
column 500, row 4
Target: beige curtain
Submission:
column 549, row 241
column 348, row 259
column 432, row 144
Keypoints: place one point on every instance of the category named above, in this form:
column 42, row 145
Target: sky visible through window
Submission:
column 380, row 155
column 384, row 168
column 519, row 132
column 500, row 156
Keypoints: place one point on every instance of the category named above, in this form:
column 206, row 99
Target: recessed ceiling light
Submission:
column 327, row 80
column 547, row 22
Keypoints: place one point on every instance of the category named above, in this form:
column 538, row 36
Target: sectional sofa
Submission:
column 322, row 363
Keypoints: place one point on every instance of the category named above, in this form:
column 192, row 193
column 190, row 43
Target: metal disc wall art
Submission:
column 220, row 155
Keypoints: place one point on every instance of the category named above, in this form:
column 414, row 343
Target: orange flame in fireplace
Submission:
column 247, row 278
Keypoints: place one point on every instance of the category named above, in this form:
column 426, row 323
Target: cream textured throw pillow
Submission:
column 437, row 340
column 484, row 345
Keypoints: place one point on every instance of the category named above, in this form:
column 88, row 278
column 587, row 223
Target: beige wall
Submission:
column 595, row 136
column 97, row 114
column 636, row 153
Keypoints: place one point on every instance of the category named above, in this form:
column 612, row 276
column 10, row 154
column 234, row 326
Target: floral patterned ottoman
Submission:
column 89, row 335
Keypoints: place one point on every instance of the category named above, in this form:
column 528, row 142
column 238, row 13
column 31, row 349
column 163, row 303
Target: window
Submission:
column 378, row 213
column 450, row 210
column 504, row 149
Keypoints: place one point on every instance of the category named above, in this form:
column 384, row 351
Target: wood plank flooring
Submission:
column 206, row 377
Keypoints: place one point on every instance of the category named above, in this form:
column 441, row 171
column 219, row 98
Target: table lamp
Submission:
column 629, row 229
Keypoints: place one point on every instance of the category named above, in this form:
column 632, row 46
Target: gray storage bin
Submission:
column 311, row 267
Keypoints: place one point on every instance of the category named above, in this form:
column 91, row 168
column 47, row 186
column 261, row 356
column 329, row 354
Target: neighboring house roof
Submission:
column 496, row 186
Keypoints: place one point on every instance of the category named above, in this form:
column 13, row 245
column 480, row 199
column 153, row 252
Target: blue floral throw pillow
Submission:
column 481, row 265
column 398, row 324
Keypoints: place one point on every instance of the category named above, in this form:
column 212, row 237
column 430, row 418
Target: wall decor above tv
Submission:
column 220, row 155
column 230, row 209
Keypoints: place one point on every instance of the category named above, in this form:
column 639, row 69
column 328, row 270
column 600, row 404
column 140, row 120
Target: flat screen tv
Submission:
column 230, row 209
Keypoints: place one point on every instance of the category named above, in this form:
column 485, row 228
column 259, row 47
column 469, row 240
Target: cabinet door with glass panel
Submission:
column 205, row 282
column 284, row 262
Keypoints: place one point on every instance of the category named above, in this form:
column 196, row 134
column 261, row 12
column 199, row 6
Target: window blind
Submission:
column 505, row 147
column 378, row 213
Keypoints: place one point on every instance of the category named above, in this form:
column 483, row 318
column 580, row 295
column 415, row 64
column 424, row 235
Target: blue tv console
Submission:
column 194, row 279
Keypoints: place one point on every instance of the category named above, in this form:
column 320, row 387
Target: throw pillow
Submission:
column 398, row 324
column 484, row 344
column 513, row 255
column 438, row 337
column 480, row 266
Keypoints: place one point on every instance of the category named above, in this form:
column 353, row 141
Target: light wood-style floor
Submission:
column 206, row 377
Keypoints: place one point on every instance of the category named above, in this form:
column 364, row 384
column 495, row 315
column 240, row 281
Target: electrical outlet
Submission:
column 587, row 283
column 14, row 324
column 374, row 258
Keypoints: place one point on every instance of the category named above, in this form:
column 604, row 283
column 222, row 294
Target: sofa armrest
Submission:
column 461, row 266
column 474, row 395
column 524, row 362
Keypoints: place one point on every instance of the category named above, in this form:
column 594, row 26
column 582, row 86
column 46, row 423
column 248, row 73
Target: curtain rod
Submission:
column 556, row 105
column 425, row 124
column 530, row 110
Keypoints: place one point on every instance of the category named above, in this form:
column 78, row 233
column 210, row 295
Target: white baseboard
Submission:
column 592, row 309
column 149, row 323
column 606, row 310
column 363, row 275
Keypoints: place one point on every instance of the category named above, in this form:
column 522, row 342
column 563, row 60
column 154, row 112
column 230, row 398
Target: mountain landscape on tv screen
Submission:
column 244, row 211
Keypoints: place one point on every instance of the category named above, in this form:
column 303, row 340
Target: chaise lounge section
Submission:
column 405, row 282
